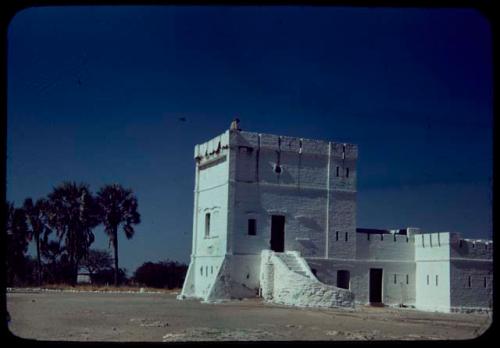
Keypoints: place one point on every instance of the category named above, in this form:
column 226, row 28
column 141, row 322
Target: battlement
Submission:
column 471, row 248
column 293, row 144
column 454, row 246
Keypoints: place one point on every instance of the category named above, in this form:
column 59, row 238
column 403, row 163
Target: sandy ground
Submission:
column 87, row 316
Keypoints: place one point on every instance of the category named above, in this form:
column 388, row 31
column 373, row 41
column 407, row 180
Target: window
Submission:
column 437, row 279
column 206, row 271
column 346, row 236
column 394, row 236
column 473, row 244
column 347, row 172
column 252, row 227
column 406, row 239
column 337, row 235
column 460, row 244
column 367, row 236
column 469, row 282
column 337, row 170
column 381, row 236
column 395, row 278
column 427, row 279
column 201, row 270
column 407, row 279
column 207, row 224
column 484, row 283
column 211, row 269
column 430, row 240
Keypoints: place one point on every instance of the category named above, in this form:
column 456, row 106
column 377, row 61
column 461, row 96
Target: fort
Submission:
column 275, row 217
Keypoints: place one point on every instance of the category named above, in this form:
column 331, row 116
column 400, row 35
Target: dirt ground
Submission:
column 88, row 316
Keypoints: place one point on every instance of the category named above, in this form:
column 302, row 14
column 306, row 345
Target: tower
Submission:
column 260, row 191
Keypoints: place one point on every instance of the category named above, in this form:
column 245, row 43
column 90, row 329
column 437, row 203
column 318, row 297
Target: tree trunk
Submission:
column 115, row 247
column 38, row 259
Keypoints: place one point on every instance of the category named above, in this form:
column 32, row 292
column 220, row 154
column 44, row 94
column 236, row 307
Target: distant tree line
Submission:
column 61, row 227
column 163, row 274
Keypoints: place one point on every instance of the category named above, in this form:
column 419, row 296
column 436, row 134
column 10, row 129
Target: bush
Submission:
column 164, row 274
column 107, row 276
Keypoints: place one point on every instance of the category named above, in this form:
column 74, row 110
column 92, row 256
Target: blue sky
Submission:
column 95, row 95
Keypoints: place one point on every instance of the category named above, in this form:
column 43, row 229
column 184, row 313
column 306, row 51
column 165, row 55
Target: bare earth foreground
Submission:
column 88, row 316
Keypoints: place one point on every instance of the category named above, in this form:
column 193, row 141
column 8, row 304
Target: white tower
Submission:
column 258, row 191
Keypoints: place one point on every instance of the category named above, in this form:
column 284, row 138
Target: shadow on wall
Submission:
column 309, row 223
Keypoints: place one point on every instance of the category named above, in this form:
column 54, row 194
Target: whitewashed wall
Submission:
column 432, row 257
column 394, row 247
column 283, row 286
column 471, row 273
column 476, row 294
column 236, row 181
column 300, row 193
column 393, row 293
column 210, row 196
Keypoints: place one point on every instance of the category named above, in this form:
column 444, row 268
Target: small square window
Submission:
column 252, row 227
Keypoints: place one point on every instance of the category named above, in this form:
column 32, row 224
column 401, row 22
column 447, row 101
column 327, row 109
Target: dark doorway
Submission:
column 343, row 278
column 278, row 233
column 375, row 285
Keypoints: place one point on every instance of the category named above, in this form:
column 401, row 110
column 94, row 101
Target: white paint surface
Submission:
column 237, row 180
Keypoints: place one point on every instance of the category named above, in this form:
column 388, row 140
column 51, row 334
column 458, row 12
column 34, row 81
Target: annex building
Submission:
column 275, row 216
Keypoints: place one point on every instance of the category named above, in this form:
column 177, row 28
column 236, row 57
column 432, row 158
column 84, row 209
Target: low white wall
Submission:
column 393, row 293
column 480, row 292
column 396, row 247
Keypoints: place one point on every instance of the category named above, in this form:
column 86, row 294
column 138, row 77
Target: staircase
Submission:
column 286, row 278
column 291, row 260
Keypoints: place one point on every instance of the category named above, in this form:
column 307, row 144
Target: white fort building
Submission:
column 275, row 216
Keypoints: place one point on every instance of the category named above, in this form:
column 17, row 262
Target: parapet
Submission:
column 292, row 144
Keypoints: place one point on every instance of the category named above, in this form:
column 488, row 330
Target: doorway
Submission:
column 343, row 279
column 376, row 285
column 278, row 233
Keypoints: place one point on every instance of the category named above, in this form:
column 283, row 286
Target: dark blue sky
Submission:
column 95, row 93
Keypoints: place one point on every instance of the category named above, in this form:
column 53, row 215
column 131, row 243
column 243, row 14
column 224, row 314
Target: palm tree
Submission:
column 37, row 217
column 117, row 206
column 17, row 240
column 73, row 214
